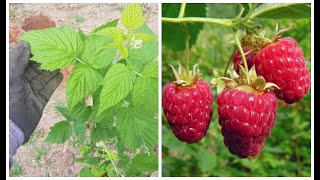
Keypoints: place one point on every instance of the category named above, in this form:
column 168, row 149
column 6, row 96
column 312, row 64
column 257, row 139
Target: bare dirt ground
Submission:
column 37, row 158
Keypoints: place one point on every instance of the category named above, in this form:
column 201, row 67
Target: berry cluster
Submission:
column 247, row 108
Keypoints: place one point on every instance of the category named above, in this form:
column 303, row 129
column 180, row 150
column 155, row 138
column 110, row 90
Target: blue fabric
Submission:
column 16, row 138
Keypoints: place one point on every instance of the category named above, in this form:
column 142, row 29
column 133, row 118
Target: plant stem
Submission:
column 247, row 17
column 224, row 22
column 230, row 23
column 114, row 166
column 138, row 74
column 182, row 9
column 187, row 50
column 78, row 59
column 226, row 69
column 241, row 50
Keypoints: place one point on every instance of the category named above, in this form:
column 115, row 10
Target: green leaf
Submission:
column 118, row 83
column 89, row 160
column 124, row 52
column 80, row 128
column 110, row 171
column 103, row 133
column 84, row 79
column 85, row 172
column 59, row 132
column 113, row 23
column 143, row 36
column 132, row 17
column 151, row 70
column 282, row 10
column 145, row 163
column 82, row 35
column 135, row 124
column 173, row 34
column 96, row 54
column 78, row 113
column 124, row 160
column 114, row 32
column 206, row 160
column 145, row 90
column 84, row 149
column 144, row 29
column 106, row 118
column 139, row 57
column 98, row 171
column 54, row 48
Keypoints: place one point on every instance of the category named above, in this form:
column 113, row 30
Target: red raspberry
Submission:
column 237, row 59
column 246, row 119
column 188, row 110
column 283, row 64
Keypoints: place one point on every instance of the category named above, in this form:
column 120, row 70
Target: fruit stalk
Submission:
column 182, row 9
column 187, row 50
column 236, row 37
column 114, row 166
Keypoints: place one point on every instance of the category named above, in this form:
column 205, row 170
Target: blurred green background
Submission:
column 287, row 151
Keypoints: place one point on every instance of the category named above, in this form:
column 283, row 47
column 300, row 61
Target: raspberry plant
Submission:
column 209, row 157
column 112, row 106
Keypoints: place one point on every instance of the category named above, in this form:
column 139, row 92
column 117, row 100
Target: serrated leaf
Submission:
column 113, row 23
column 173, row 34
column 118, row 83
column 145, row 90
column 134, row 124
column 78, row 113
column 143, row 36
column 282, row 10
column 106, row 118
column 145, row 163
column 80, row 128
column 145, row 94
column 114, row 32
column 84, row 79
column 85, row 172
column 132, row 17
column 151, row 70
column 102, row 133
column 59, row 132
column 54, row 48
column 124, row 160
column 96, row 54
column 139, row 57
column 206, row 161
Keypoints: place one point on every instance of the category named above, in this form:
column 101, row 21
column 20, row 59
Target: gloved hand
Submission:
column 29, row 89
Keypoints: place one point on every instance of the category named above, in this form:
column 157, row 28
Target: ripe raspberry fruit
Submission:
column 237, row 59
column 247, row 112
column 283, row 64
column 187, row 106
column 246, row 119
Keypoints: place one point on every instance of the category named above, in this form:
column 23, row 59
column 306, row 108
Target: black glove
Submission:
column 30, row 89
